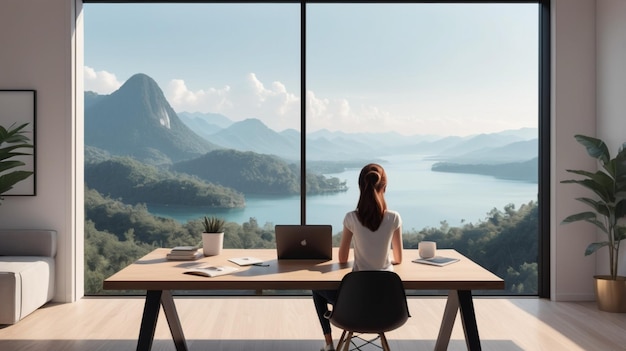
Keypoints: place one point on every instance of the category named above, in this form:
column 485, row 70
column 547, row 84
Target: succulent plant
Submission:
column 213, row 224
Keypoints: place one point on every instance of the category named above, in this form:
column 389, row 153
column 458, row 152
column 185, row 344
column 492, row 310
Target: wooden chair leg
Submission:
column 342, row 340
column 384, row 343
column 346, row 346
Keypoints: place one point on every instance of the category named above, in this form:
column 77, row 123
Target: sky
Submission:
column 416, row 69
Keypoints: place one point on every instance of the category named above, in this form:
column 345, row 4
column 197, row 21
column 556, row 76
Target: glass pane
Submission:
column 445, row 98
column 190, row 110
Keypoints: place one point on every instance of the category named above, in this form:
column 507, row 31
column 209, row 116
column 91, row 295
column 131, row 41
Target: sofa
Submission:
column 27, row 272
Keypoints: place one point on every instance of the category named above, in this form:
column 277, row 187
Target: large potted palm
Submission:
column 608, row 212
column 12, row 141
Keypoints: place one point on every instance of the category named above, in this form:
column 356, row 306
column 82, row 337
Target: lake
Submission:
column 423, row 198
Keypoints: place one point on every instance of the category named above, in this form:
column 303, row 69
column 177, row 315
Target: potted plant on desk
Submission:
column 213, row 235
column 609, row 209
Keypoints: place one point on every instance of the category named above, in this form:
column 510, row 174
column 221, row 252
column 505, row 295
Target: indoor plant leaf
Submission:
column 599, row 183
column 596, row 148
column 12, row 139
column 599, row 206
column 213, row 224
column 593, row 247
column 609, row 184
column 587, row 217
column 7, row 181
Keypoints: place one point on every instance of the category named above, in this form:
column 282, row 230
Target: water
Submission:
column 423, row 198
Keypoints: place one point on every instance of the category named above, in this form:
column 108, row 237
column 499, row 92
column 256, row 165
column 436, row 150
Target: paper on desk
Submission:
column 245, row 261
column 211, row 271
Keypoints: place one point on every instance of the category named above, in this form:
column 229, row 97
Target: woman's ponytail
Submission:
column 372, row 206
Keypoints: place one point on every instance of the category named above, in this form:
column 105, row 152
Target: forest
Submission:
column 524, row 171
column 219, row 179
column 116, row 234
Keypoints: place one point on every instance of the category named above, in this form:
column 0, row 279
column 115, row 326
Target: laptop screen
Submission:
column 304, row 241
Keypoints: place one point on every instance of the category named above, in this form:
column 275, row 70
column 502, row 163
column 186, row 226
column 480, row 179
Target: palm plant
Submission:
column 609, row 184
column 11, row 140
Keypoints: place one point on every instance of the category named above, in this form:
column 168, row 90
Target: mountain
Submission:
column 205, row 124
column 92, row 98
column 513, row 152
column 252, row 135
column 136, row 120
column 478, row 142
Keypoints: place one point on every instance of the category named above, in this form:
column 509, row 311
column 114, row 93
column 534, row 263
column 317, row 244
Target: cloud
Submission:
column 338, row 114
column 211, row 100
column 101, row 82
column 279, row 108
column 273, row 103
column 249, row 98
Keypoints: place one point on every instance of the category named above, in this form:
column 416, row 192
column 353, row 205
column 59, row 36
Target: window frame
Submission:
column 544, row 101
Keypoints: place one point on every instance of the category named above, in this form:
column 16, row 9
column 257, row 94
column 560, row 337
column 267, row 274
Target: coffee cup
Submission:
column 427, row 249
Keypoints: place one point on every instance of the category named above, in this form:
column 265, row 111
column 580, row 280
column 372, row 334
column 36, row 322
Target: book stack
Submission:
column 184, row 253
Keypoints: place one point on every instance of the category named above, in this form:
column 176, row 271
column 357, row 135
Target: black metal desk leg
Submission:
column 468, row 317
column 173, row 321
column 149, row 320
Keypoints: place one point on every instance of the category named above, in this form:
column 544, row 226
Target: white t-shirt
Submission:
column 371, row 249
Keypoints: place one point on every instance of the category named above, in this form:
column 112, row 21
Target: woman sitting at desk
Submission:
column 372, row 229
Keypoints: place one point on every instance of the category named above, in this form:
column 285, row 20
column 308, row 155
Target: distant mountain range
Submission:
column 138, row 121
column 253, row 135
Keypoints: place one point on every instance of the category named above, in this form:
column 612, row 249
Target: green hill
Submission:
column 133, row 182
column 253, row 173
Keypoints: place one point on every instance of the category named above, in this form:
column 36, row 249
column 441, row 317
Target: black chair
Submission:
column 369, row 302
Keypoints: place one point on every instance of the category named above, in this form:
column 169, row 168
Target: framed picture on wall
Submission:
column 16, row 108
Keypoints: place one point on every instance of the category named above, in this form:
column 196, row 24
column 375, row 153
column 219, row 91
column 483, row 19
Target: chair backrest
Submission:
column 370, row 302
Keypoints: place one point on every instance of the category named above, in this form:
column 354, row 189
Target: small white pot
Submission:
column 212, row 243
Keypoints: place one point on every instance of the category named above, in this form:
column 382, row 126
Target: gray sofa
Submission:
column 27, row 266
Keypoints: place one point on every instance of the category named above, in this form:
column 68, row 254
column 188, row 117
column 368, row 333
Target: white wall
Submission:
column 39, row 42
column 611, row 88
column 36, row 41
column 573, row 112
column 589, row 58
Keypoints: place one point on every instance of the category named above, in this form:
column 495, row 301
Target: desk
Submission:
column 159, row 277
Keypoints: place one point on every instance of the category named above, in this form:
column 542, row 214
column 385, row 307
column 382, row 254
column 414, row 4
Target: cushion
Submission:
column 24, row 242
column 26, row 283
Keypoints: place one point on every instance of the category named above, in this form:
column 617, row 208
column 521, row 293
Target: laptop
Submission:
column 304, row 241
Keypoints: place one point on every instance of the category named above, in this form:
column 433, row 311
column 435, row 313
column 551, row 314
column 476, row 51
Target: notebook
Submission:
column 304, row 241
column 437, row 260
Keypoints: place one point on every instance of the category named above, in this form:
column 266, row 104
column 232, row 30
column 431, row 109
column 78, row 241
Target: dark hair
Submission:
column 371, row 207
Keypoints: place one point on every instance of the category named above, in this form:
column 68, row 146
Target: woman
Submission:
column 371, row 229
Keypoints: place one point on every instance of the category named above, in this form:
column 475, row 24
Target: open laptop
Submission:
column 304, row 241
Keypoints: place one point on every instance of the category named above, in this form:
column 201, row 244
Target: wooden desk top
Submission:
column 154, row 272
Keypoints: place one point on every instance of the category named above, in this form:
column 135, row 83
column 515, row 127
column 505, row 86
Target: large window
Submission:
column 199, row 109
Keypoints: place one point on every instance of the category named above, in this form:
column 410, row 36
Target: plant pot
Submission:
column 212, row 243
column 611, row 294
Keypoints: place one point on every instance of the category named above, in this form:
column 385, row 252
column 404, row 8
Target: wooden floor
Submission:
column 290, row 324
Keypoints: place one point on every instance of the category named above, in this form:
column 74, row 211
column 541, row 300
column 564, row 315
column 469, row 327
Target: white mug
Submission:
column 427, row 249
